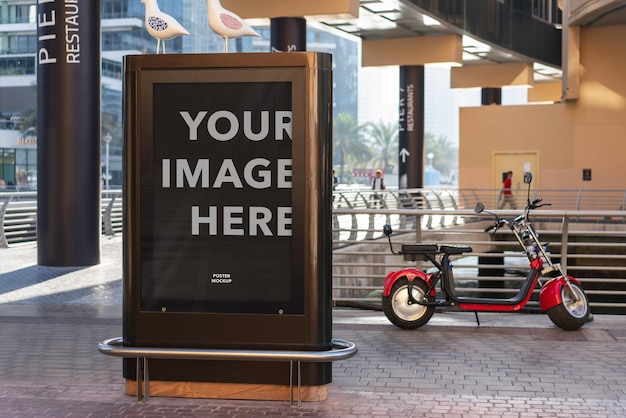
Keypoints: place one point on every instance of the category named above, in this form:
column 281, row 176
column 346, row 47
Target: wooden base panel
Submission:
column 212, row 390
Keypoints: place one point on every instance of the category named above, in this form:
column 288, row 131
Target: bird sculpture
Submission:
column 227, row 24
column 161, row 26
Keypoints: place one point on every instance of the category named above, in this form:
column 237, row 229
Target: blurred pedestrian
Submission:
column 506, row 196
column 378, row 184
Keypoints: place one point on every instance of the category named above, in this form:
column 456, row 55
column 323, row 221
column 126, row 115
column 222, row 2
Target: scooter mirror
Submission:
column 528, row 177
column 387, row 229
column 479, row 207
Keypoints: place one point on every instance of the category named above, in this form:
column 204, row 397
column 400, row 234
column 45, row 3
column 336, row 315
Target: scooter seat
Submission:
column 419, row 248
column 419, row 252
column 455, row 249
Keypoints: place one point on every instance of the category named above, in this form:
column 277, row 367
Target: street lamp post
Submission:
column 107, row 138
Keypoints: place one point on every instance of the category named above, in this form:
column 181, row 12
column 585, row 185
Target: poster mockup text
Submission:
column 257, row 173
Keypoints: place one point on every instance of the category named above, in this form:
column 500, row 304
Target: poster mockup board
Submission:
column 227, row 193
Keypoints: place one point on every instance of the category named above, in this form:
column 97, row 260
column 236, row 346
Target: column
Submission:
column 491, row 96
column 288, row 34
column 68, row 128
column 411, row 125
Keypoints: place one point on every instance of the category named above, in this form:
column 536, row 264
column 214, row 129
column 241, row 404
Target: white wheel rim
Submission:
column 403, row 308
column 574, row 301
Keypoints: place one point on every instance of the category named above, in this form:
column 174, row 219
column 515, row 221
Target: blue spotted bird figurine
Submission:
column 161, row 26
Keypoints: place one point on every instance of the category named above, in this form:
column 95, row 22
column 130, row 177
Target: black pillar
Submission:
column 491, row 96
column 68, row 130
column 288, row 34
column 411, row 135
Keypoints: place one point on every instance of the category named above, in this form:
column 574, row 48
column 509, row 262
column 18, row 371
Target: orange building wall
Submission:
column 586, row 133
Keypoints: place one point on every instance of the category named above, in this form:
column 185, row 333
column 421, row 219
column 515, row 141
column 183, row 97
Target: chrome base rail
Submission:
column 341, row 350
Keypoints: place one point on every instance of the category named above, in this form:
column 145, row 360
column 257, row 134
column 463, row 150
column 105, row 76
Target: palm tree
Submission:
column 110, row 125
column 445, row 155
column 28, row 123
column 384, row 139
column 110, row 117
column 348, row 143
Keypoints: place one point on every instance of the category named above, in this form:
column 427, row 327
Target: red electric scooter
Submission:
column 410, row 295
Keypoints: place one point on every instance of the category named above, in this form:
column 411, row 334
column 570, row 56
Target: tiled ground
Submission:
column 514, row 365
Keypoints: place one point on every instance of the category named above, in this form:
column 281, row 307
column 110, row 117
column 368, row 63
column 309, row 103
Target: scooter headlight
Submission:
column 528, row 242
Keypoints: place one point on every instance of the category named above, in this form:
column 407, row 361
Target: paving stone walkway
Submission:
column 513, row 365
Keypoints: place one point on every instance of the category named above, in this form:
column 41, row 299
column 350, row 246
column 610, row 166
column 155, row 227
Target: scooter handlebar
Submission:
column 496, row 225
column 534, row 204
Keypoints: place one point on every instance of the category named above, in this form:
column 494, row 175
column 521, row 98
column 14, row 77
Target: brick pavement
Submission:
column 514, row 365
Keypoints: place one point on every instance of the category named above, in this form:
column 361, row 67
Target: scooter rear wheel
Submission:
column 573, row 311
column 400, row 311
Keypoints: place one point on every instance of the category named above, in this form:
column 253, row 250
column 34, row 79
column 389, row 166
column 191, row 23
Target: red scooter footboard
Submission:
column 550, row 294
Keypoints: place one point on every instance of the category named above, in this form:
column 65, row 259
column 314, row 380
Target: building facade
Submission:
column 123, row 33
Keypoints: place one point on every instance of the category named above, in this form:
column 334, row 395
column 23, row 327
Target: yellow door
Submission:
column 519, row 163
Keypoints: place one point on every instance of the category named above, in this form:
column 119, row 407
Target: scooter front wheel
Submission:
column 399, row 309
column 573, row 311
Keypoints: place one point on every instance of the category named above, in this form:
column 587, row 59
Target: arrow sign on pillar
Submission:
column 403, row 154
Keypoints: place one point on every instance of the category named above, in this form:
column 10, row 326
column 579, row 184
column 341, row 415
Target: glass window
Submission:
column 32, row 158
column 20, row 44
column 7, row 168
column 546, row 10
column 21, row 157
column 6, row 174
column 31, row 168
column 111, row 69
column 9, row 156
column 114, row 9
column 22, row 13
column 17, row 65
column 25, row 169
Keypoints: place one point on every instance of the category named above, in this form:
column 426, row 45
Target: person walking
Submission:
column 378, row 184
column 506, row 196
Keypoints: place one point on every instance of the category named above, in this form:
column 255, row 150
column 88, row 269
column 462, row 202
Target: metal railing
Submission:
column 340, row 350
column 18, row 216
column 112, row 212
column 590, row 245
column 589, row 242
column 447, row 198
column 18, row 210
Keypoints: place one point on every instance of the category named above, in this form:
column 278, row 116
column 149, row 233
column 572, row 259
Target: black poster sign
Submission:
column 217, row 208
column 227, row 210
